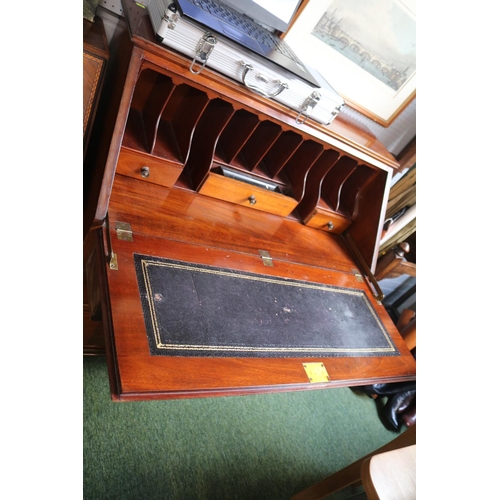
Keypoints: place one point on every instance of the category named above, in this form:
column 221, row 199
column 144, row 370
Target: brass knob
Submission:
column 252, row 200
column 145, row 172
column 330, row 225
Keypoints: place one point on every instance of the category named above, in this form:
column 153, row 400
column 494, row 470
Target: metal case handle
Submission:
column 248, row 67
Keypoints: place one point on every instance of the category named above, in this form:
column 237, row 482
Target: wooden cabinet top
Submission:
column 94, row 37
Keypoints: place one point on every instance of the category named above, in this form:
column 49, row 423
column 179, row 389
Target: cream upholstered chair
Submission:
column 391, row 475
column 388, row 473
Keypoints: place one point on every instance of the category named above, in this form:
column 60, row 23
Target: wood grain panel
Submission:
column 162, row 172
column 241, row 193
column 321, row 218
column 182, row 215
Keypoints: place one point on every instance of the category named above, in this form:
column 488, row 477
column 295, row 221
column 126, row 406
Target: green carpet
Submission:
column 252, row 447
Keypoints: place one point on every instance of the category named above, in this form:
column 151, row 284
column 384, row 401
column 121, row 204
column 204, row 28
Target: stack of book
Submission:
column 401, row 214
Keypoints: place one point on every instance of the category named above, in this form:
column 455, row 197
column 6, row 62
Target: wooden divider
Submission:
column 169, row 119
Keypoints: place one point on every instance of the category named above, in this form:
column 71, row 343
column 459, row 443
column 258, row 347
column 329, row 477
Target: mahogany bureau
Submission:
column 198, row 169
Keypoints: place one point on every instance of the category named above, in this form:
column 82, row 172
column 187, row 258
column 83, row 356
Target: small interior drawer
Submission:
column 148, row 168
column 327, row 220
column 242, row 193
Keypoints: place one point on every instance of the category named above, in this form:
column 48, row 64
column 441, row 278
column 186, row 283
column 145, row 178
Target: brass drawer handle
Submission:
column 252, row 200
column 145, row 172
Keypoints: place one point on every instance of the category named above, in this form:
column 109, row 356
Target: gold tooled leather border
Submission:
column 145, row 264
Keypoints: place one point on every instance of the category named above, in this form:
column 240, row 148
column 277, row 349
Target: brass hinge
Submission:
column 316, row 372
column 124, row 231
column 113, row 261
column 108, row 249
column 358, row 275
column 266, row 258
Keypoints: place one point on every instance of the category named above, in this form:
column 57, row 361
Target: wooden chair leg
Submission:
column 352, row 473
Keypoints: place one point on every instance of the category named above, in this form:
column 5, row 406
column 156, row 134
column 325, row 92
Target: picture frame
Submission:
column 365, row 49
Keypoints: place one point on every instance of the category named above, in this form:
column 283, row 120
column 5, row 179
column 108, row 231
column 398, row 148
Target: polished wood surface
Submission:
column 149, row 168
column 94, row 37
column 244, row 194
column 198, row 229
column 190, row 125
column 184, row 129
column 182, row 215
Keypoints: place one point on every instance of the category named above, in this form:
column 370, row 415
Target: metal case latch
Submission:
column 335, row 112
column 308, row 105
column 203, row 50
column 169, row 18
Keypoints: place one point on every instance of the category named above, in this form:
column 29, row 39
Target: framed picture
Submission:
column 365, row 49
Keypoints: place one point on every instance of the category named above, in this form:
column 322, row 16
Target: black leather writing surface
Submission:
column 196, row 310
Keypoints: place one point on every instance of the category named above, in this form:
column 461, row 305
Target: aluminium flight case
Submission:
column 206, row 48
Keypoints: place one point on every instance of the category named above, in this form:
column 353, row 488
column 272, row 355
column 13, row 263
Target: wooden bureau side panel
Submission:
column 366, row 229
column 240, row 193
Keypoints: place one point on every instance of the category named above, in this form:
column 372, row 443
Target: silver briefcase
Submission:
column 207, row 48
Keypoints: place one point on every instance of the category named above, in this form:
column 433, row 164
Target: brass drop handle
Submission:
column 330, row 225
column 145, row 172
column 252, row 200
